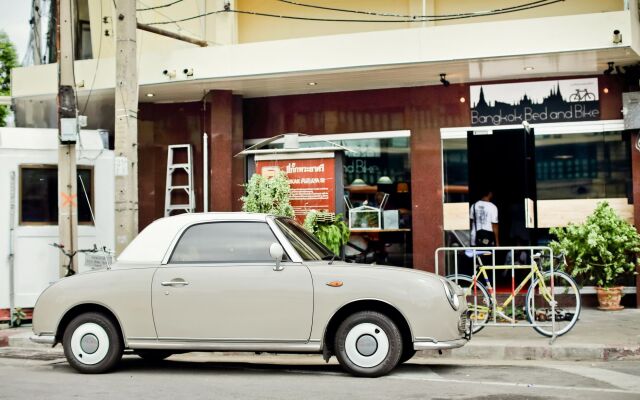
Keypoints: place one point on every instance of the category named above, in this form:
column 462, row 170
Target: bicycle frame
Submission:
column 534, row 270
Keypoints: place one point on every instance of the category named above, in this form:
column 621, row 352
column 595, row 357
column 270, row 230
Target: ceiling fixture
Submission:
column 312, row 83
column 529, row 68
column 462, row 99
column 150, row 94
column 444, row 81
column 605, row 90
column 609, row 70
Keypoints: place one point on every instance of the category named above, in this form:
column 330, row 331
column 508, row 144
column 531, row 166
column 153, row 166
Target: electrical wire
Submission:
column 412, row 20
column 156, row 7
column 421, row 17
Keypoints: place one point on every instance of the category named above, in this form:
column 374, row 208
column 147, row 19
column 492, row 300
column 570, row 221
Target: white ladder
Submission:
column 187, row 167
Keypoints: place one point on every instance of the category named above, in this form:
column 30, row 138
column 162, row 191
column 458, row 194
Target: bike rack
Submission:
column 474, row 252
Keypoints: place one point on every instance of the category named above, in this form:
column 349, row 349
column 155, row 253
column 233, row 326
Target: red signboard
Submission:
column 312, row 182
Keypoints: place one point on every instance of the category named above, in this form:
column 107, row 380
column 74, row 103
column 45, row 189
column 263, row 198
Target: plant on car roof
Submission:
column 330, row 229
column 268, row 195
column 602, row 251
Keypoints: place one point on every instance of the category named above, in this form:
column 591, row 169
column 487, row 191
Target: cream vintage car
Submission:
column 247, row 282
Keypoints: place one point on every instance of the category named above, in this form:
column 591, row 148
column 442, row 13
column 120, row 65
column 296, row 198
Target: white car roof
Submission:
column 150, row 246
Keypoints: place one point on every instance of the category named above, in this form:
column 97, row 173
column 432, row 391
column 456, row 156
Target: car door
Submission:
column 220, row 284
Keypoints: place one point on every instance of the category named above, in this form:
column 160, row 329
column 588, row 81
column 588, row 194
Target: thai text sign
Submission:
column 312, row 182
column 535, row 102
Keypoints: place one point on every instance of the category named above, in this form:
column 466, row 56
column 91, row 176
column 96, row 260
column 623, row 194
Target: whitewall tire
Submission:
column 92, row 343
column 368, row 344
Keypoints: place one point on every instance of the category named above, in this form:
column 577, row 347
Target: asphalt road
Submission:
column 28, row 374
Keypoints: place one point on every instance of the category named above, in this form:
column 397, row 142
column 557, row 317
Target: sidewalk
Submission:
column 598, row 336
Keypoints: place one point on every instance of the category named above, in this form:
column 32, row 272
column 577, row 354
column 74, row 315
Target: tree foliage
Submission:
column 602, row 250
column 8, row 60
column 268, row 195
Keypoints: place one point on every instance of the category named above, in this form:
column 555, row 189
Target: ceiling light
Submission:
column 529, row 68
column 150, row 94
column 312, row 83
column 605, row 90
column 462, row 99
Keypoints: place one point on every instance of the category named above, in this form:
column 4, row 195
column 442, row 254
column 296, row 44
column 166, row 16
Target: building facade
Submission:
column 432, row 107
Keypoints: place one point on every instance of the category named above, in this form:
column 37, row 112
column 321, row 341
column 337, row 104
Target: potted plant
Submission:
column 329, row 228
column 268, row 195
column 602, row 251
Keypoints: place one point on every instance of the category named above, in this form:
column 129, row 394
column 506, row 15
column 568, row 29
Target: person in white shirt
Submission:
column 484, row 222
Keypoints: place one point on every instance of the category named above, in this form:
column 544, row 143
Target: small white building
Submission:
column 29, row 209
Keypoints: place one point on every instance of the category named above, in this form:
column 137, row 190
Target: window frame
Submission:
column 174, row 245
column 91, row 191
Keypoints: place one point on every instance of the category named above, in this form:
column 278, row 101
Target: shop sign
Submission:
column 312, row 182
column 567, row 100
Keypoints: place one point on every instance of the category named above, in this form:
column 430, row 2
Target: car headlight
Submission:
column 450, row 292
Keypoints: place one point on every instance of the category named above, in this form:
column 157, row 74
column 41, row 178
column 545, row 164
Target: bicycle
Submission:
column 71, row 254
column 579, row 96
column 541, row 307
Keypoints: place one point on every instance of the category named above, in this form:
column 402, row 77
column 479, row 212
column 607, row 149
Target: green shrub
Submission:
column 602, row 251
column 268, row 195
column 332, row 231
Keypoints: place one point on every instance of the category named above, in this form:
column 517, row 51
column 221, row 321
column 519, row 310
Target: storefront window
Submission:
column 583, row 166
column 376, row 173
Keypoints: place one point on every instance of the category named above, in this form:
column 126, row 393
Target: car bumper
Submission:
column 44, row 338
column 436, row 345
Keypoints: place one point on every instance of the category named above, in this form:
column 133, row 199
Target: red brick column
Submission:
column 220, row 150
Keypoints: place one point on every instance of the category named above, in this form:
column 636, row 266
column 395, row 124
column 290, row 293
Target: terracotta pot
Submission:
column 609, row 298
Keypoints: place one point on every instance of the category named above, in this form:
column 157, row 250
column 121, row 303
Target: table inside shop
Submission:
column 375, row 240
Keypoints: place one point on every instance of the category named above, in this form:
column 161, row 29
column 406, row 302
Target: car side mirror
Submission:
column 276, row 251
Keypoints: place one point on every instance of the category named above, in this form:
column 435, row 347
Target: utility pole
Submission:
column 67, row 133
column 126, row 125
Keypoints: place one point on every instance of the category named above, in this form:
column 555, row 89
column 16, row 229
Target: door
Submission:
column 503, row 161
column 220, row 284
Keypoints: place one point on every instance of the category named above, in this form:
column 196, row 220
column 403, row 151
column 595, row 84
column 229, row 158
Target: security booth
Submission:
column 29, row 200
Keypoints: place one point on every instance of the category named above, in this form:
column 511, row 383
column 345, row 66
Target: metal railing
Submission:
column 533, row 255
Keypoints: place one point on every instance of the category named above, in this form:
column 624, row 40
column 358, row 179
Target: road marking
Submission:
column 618, row 379
column 426, row 378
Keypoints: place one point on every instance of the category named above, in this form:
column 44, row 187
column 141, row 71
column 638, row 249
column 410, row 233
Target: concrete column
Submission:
column 220, row 150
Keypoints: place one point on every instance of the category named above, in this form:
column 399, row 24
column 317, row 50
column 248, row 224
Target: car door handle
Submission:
column 175, row 283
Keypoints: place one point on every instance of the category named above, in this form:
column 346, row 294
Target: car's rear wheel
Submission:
column 153, row 355
column 368, row 344
column 407, row 354
column 92, row 343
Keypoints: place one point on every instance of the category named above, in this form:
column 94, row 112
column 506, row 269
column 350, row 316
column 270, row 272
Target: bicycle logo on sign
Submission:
column 582, row 95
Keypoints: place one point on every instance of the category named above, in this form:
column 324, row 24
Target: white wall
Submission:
column 36, row 263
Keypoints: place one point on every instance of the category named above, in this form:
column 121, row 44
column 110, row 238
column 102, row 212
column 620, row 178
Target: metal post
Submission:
column 126, row 125
column 67, row 112
column 12, row 227
column 205, row 172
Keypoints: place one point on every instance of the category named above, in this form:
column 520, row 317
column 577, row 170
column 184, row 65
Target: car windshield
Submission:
column 309, row 248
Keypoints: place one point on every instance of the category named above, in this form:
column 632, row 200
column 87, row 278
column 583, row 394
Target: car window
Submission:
column 225, row 242
column 307, row 246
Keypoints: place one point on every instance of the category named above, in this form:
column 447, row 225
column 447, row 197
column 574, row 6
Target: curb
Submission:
column 471, row 351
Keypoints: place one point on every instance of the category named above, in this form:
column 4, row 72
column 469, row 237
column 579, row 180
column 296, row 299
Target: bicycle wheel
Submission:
column 568, row 304
column 479, row 314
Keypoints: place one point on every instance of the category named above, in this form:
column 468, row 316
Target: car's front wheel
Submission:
column 92, row 343
column 368, row 344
